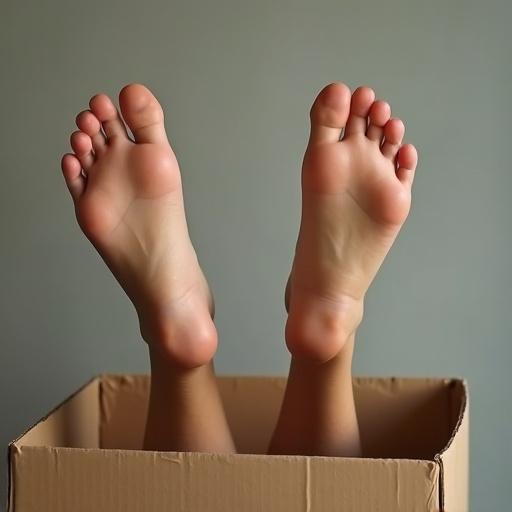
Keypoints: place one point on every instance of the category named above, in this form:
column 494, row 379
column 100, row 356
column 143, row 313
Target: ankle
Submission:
column 184, row 338
column 319, row 329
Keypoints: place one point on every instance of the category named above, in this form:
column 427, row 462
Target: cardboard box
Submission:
column 85, row 455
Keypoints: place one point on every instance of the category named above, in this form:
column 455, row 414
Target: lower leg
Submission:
column 185, row 410
column 318, row 415
column 129, row 202
column 356, row 194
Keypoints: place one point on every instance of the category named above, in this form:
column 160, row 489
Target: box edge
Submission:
column 53, row 410
column 439, row 456
column 13, row 446
column 10, row 477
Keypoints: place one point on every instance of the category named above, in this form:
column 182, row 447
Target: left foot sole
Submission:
column 129, row 203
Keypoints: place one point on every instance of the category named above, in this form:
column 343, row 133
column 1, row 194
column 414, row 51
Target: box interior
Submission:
column 403, row 418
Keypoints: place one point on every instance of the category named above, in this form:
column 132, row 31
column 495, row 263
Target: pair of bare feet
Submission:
column 356, row 194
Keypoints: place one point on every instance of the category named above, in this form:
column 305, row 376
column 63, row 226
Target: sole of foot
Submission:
column 356, row 194
column 126, row 189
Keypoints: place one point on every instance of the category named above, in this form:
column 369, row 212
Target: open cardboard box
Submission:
column 85, row 455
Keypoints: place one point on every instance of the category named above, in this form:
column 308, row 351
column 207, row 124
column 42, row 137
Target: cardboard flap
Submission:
column 414, row 416
column 85, row 455
column 403, row 417
column 454, row 458
column 373, row 484
column 123, row 404
column 252, row 407
column 61, row 480
column 75, row 422
column 251, row 404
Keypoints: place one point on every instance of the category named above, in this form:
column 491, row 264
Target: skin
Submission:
column 356, row 194
column 129, row 203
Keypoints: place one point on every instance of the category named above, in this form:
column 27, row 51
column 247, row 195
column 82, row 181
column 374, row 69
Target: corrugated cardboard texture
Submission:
column 404, row 418
column 64, row 480
column 400, row 407
column 455, row 457
column 373, row 485
column 58, row 465
column 73, row 423
column 248, row 401
column 123, row 402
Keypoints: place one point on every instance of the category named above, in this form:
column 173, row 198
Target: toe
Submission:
column 362, row 100
column 329, row 113
column 82, row 146
column 143, row 114
column 72, row 171
column 87, row 122
column 105, row 111
column 393, row 136
column 407, row 160
column 380, row 112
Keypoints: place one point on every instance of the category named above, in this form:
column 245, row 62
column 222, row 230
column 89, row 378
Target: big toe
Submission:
column 143, row 114
column 329, row 113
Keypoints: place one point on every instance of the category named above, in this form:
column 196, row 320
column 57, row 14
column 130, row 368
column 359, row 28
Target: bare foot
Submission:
column 356, row 194
column 129, row 203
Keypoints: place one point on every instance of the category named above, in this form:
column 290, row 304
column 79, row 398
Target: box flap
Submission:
column 413, row 460
column 413, row 415
column 10, row 480
column 454, row 458
column 123, row 409
column 248, row 401
column 373, row 484
column 80, row 480
column 252, row 407
column 403, row 417
column 74, row 422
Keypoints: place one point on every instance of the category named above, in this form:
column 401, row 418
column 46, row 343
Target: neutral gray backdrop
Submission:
column 236, row 80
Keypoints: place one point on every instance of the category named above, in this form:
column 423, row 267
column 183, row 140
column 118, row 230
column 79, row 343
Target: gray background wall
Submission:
column 236, row 80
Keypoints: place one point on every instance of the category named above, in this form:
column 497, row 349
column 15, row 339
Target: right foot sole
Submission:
column 356, row 194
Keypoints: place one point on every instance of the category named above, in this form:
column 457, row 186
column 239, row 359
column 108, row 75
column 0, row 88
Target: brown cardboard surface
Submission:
column 248, row 401
column 63, row 479
column 454, row 458
column 123, row 401
column 85, row 456
column 400, row 407
column 72, row 423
